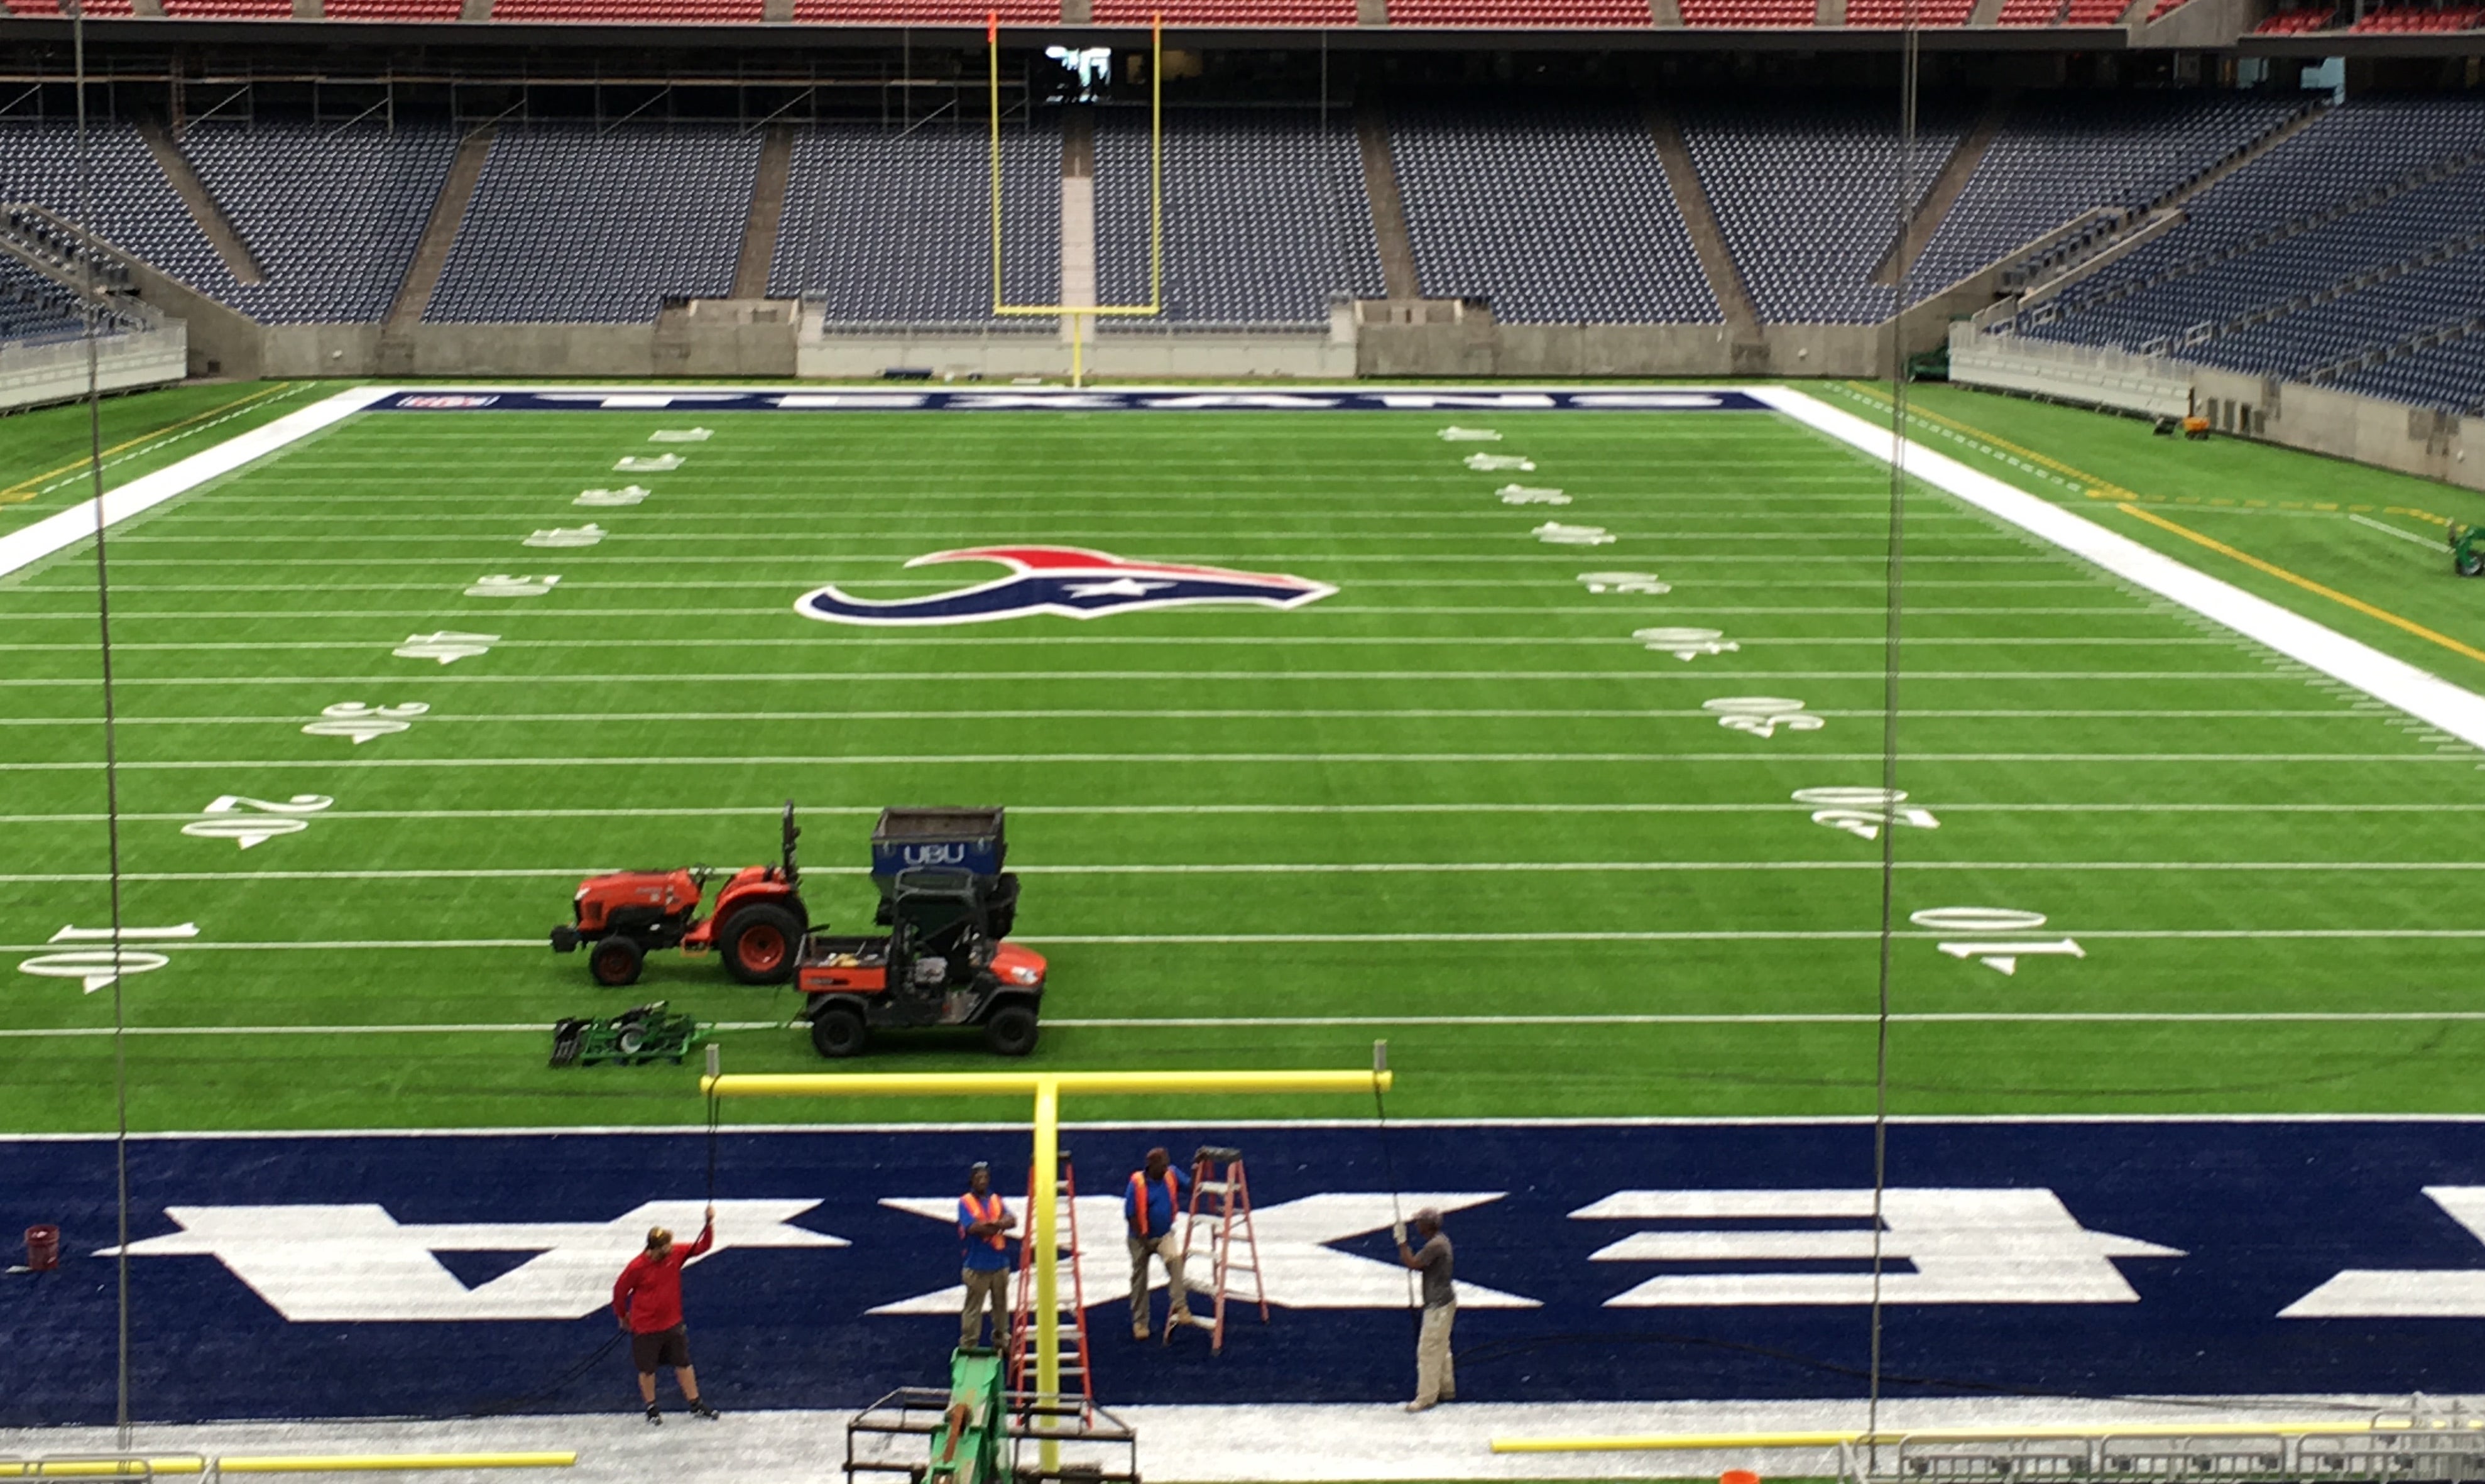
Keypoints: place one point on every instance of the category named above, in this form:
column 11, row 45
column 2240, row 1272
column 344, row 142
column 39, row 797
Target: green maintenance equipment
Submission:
column 971, row 1433
column 647, row 1033
column 2468, row 550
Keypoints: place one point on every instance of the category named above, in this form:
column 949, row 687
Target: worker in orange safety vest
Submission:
column 983, row 1234
column 1152, row 1207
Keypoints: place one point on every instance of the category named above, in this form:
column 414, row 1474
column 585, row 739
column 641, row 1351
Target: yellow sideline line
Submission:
column 2107, row 490
column 24, row 489
column 1705, row 1441
column 2306, row 583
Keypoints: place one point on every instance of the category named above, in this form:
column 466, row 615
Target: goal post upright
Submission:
column 1079, row 314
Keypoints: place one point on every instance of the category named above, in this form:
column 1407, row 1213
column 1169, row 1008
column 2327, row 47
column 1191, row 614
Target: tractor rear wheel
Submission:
column 2471, row 563
column 1011, row 1031
column 615, row 960
column 839, row 1031
column 759, row 945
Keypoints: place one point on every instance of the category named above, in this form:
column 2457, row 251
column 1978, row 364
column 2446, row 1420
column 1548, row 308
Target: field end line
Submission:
column 1318, row 1022
column 29, row 544
column 2419, row 693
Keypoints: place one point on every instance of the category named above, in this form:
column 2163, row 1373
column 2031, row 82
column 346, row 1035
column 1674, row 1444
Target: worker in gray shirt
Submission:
column 1435, row 1379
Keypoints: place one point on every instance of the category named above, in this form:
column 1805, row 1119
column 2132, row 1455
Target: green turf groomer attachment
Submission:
column 2468, row 550
column 648, row 1032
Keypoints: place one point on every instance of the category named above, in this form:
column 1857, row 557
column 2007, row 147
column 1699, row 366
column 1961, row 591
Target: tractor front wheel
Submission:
column 839, row 1031
column 615, row 960
column 759, row 945
column 1011, row 1031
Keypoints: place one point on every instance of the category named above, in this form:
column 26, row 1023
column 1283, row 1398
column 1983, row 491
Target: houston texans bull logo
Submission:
column 1071, row 580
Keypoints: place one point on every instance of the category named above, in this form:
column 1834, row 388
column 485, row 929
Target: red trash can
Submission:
column 42, row 1248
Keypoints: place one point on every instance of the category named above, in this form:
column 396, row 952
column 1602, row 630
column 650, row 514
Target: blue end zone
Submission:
column 1036, row 400
column 2023, row 1293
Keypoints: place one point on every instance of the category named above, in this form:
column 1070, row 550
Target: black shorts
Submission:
column 665, row 1347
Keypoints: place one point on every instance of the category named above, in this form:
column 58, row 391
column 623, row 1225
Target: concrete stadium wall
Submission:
column 835, row 355
column 36, row 375
column 2315, row 419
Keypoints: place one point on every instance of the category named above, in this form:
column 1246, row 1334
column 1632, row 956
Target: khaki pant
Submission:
column 1435, row 1378
column 984, row 1288
column 1167, row 1247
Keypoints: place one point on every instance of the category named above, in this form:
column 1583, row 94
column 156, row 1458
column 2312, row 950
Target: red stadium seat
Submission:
column 630, row 11
column 2295, row 22
column 230, row 9
column 927, row 12
column 1749, row 12
column 1549, row 14
column 392, row 10
column 1894, row 12
column 1227, row 13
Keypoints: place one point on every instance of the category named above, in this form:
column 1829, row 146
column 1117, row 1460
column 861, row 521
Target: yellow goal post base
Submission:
column 1045, row 1171
column 1079, row 313
column 139, row 1467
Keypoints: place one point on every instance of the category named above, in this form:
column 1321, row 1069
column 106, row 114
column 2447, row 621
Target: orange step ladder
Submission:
column 1073, row 1296
column 1220, row 1197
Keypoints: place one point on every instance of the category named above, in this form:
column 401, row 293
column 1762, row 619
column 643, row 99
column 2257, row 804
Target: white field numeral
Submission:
column 362, row 722
column 507, row 585
column 249, row 822
column 448, row 647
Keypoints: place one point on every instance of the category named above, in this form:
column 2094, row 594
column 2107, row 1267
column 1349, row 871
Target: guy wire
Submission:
column 91, row 314
column 1389, row 1173
column 1909, row 58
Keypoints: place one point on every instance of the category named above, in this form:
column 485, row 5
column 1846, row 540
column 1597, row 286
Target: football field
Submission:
column 1590, row 747
column 1575, row 846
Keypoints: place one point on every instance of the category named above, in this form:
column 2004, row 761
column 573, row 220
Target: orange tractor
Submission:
column 756, row 925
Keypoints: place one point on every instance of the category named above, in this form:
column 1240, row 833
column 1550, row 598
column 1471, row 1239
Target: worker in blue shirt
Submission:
column 983, row 1232
column 1151, row 1205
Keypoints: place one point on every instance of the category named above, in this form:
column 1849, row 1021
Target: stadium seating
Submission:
column 2450, row 375
column 888, row 228
column 928, row 13
column 631, row 11
column 2296, row 23
column 392, row 10
column 1806, row 196
column 1899, row 13
column 2412, row 18
column 1750, row 13
column 2061, row 156
column 1266, row 215
column 1554, row 214
column 332, row 218
column 2363, row 229
column 36, row 311
column 229, row 9
column 1226, row 13
column 1529, row 14
column 570, row 224
column 134, row 207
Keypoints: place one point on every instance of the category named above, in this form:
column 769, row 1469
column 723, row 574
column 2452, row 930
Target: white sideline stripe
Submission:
column 1624, row 604
column 1140, row 641
column 1395, row 759
column 1155, row 939
column 1309, row 868
column 30, row 544
column 1624, row 714
column 2429, row 543
column 1258, row 677
column 1316, row 1022
column 2416, row 692
column 771, row 810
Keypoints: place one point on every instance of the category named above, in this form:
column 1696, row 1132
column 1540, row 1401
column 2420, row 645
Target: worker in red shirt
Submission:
column 647, row 1298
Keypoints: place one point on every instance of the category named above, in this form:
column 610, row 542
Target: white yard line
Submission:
column 2416, row 692
column 1313, row 759
column 2429, row 543
column 1129, row 641
column 29, row 544
column 851, row 678
column 1625, row 606
column 1185, row 811
column 1295, row 940
column 1407, row 868
column 1319, row 1022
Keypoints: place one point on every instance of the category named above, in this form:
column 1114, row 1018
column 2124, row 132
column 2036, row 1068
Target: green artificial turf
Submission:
column 46, row 452
column 1456, row 805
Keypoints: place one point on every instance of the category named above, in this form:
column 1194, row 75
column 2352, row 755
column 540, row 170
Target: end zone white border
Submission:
column 2419, row 693
column 22, row 548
